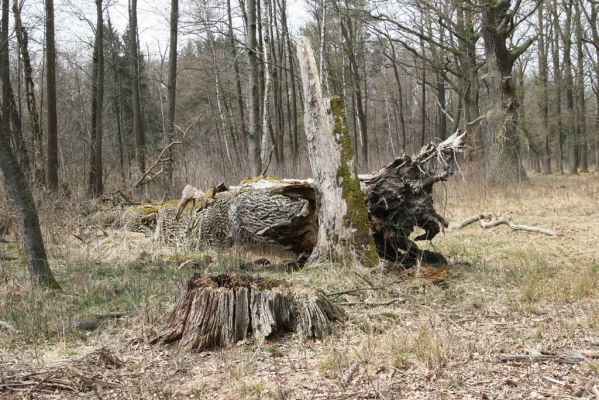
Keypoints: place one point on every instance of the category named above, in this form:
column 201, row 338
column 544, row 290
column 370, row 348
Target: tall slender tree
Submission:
column 39, row 170
column 15, row 181
column 52, row 135
column 96, row 181
column 138, row 133
column 171, row 94
column 254, row 86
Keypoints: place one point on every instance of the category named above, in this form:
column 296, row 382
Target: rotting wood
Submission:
column 343, row 228
column 283, row 212
column 218, row 311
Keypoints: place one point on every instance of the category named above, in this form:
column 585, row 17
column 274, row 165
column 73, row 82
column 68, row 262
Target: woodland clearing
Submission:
column 427, row 332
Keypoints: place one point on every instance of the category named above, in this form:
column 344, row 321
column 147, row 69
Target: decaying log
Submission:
column 283, row 212
column 342, row 216
column 218, row 311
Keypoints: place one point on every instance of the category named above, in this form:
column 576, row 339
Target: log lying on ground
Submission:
column 218, row 311
column 399, row 198
column 283, row 212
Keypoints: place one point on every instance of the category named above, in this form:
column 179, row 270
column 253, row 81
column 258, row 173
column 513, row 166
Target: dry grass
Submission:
column 506, row 292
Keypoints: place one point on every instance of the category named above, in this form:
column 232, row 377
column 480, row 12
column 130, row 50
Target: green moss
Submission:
column 357, row 215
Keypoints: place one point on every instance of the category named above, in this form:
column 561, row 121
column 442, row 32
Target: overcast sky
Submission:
column 72, row 28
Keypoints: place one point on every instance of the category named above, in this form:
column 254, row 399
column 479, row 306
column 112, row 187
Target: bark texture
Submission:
column 218, row 311
column 284, row 212
column 342, row 215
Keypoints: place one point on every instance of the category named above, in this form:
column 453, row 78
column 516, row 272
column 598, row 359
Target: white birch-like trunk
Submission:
column 266, row 145
column 342, row 216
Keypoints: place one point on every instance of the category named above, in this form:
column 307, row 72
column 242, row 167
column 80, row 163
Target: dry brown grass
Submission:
column 506, row 292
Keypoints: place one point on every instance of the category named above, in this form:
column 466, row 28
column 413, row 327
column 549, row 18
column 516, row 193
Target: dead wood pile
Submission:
column 217, row 311
column 82, row 375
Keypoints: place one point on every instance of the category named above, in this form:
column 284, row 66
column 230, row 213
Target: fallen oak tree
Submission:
column 338, row 214
column 399, row 198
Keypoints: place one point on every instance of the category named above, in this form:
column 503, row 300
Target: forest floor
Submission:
column 505, row 293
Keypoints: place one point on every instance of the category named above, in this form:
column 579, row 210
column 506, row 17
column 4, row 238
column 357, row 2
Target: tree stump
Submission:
column 218, row 311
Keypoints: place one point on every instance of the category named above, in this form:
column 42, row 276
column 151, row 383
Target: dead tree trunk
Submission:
column 342, row 215
column 284, row 213
column 218, row 311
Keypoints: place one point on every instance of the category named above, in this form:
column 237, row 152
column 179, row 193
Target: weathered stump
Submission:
column 218, row 311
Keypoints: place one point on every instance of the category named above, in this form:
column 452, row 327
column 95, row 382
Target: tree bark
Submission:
column 39, row 170
column 255, row 160
column 138, row 132
column 171, row 96
column 544, row 99
column 52, row 136
column 504, row 162
column 342, row 216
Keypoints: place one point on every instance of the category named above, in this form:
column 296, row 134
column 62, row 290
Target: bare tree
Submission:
column 15, row 180
column 254, row 99
column 96, row 182
column 171, row 95
column 138, row 132
column 39, row 170
column 52, row 136
column 504, row 157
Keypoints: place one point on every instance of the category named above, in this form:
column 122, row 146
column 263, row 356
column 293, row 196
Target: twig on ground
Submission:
column 348, row 375
column 516, row 227
column 470, row 220
column 8, row 327
column 493, row 222
column 373, row 304
column 565, row 357
column 350, row 291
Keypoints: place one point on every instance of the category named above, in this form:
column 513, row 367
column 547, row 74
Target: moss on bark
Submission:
column 356, row 216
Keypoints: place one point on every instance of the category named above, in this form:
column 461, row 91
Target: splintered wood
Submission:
column 218, row 311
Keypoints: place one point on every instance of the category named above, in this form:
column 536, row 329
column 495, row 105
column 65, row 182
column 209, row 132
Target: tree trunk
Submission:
column 16, row 183
column 52, row 137
column 343, row 218
column 96, row 180
column 504, row 162
column 569, row 116
column 254, row 98
column 116, row 99
column 171, row 96
column 557, row 74
column 267, row 142
column 238, row 77
column 544, row 100
column 582, row 144
column 138, row 132
column 39, row 170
